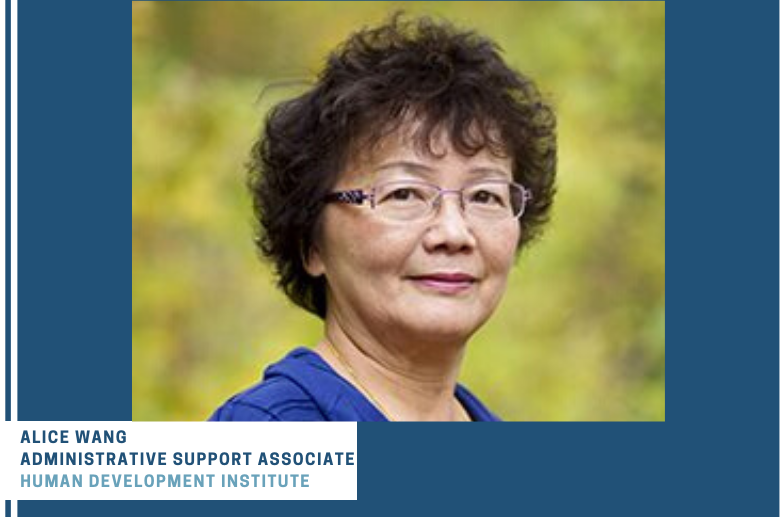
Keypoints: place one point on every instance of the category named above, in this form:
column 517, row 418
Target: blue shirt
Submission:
column 303, row 387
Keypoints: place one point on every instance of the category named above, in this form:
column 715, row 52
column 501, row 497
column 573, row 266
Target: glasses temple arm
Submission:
column 351, row 197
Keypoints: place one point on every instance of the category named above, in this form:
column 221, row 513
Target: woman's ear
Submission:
column 313, row 262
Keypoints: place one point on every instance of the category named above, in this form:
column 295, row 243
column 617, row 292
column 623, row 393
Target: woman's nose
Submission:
column 449, row 229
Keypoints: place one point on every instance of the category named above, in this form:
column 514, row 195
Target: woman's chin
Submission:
column 443, row 323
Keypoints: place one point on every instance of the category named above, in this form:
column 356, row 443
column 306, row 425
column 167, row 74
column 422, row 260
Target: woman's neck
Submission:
column 412, row 381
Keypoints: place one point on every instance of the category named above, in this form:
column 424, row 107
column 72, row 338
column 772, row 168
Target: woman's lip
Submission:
column 445, row 283
column 446, row 277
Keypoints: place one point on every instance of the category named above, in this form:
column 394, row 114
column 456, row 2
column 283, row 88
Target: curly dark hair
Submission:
column 445, row 79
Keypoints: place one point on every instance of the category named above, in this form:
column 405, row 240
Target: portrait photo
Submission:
column 398, row 211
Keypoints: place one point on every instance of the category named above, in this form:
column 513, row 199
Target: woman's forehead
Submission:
column 400, row 151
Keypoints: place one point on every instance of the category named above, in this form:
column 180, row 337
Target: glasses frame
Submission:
column 360, row 196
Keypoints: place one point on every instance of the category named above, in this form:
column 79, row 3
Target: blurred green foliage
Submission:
column 581, row 332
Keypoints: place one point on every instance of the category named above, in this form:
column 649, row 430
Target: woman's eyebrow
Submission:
column 492, row 171
column 408, row 166
column 425, row 170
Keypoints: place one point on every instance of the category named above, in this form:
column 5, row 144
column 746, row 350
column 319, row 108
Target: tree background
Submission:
column 580, row 334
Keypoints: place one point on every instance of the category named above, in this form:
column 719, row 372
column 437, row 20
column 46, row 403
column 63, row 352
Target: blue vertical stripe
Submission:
column 8, row 213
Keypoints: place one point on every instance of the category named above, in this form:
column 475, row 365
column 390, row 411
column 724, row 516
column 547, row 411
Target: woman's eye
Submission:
column 403, row 194
column 484, row 197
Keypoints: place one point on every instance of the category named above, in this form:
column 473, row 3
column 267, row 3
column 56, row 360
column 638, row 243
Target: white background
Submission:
column 325, row 482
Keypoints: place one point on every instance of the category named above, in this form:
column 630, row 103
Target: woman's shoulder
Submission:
column 279, row 397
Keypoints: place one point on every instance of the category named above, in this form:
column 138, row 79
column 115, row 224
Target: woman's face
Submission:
column 437, row 279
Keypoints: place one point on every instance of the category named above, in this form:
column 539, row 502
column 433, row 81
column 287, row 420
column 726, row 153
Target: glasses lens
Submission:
column 494, row 200
column 404, row 200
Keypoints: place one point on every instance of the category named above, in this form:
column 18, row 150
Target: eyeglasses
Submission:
column 411, row 200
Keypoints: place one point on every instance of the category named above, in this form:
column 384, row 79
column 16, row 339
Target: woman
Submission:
column 393, row 198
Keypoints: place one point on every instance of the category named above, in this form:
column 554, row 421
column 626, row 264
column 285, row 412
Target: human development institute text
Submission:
column 166, row 480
